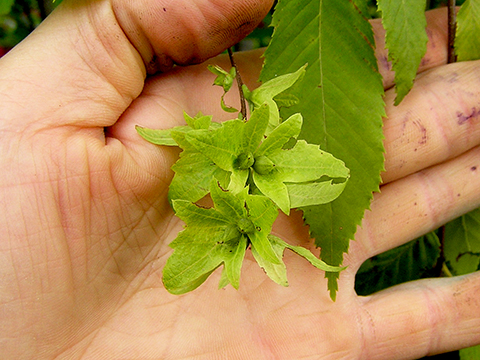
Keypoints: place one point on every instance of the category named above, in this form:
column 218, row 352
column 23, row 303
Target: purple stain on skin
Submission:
column 423, row 131
column 425, row 61
column 386, row 64
column 462, row 118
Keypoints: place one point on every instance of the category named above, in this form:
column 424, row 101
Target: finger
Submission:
column 422, row 318
column 419, row 203
column 87, row 61
column 437, row 121
column 436, row 54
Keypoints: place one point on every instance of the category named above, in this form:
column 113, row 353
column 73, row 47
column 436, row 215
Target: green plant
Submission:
column 341, row 102
column 338, row 46
column 250, row 169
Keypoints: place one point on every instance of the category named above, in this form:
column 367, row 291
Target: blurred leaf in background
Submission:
column 18, row 18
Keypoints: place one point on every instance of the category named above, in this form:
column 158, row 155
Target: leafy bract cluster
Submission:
column 251, row 169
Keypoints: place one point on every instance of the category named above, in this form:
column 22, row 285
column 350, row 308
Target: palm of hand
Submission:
column 101, row 265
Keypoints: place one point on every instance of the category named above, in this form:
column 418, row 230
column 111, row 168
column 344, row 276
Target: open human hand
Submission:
column 87, row 222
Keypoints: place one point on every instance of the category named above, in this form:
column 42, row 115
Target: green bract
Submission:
column 271, row 92
column 237, row 153
column 251, row 169
column 220, row 235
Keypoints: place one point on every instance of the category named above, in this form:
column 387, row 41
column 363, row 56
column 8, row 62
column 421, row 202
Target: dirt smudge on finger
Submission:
column 465, row 118
column 423, row 131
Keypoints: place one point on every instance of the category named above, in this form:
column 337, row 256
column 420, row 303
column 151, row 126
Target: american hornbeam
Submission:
column 313, row 142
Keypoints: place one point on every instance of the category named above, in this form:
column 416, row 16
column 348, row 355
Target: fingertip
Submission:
column 423, row 318
column 187, row 32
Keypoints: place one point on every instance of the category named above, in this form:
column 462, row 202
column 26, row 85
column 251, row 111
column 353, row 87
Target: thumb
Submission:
column 85, row 64
column 186, row 32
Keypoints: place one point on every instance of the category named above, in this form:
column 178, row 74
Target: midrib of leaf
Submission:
column 320, row 65
column 341, row 102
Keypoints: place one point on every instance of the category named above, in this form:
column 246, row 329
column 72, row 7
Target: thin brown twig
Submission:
column 451, row 58
column 452, row 28
column 243, row 104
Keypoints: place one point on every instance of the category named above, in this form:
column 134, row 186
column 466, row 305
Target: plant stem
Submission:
column 452, row 27
column 243, row 109
column 446, row 271
column 451, row 58
column 439, row 267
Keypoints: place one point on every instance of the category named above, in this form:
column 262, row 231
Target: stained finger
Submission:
column 419, row 203
column 436, row 54
column 437, row 121
column 422, row 318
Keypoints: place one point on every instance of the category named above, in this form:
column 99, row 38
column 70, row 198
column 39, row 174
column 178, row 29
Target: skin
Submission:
column 86, row 223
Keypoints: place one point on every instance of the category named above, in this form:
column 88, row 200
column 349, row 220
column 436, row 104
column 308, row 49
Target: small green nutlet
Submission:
column 245, row 226
column 232, row 233
column 244, row 161
column 263, row 165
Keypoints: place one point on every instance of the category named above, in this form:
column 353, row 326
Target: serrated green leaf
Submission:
column 341, row 101
column 406, row 40
column 362, row 6
column 405, row 263
column 462, row 243
column 467, row 41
